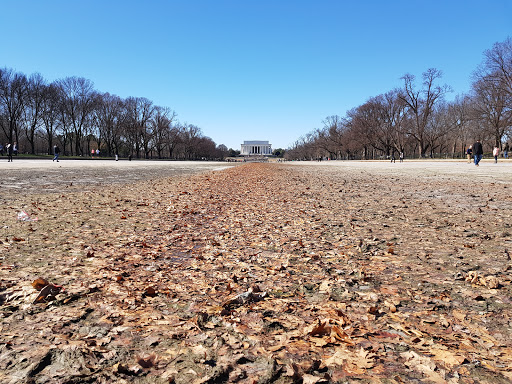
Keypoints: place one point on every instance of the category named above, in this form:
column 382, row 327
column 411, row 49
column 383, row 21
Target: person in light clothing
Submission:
column 495, row 153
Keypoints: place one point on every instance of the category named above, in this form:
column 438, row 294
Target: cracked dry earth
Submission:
column 260, row 273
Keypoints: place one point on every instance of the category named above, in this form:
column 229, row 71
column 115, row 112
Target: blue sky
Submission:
column 247, row 69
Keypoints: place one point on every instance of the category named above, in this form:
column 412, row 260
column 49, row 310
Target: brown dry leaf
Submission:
column 275, row 348
column 339, row 357
column 389, row 289
column 150, row 291
column 310, row 379
column 47, row 293
column 360, row 361
column 146, row 361
column 448, row 358
column 200, row 350
column 320, row 328
column 323, row 341
column 391, row 306
column 40, row 283
column 424, row 365
column 338, row 334
column 490, row 282
column 459, row 315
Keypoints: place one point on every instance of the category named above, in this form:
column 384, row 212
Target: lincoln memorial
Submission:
column 256, row 148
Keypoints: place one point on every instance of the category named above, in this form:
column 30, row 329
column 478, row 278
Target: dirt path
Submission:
column 264, row 273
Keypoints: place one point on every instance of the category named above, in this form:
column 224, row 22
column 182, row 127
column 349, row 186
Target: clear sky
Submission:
column 251, row 69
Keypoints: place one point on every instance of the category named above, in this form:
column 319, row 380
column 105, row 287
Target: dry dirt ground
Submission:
column 333, row 272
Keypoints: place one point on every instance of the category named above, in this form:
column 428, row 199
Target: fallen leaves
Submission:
column 330, row 329
column 259, row 272
column 146, row 361
column 243, row 298
column 490, row 282
column 48, row 293
column 40, row 283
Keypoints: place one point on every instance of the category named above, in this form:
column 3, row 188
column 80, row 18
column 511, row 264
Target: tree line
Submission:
column 70, row 113
column 417, row 121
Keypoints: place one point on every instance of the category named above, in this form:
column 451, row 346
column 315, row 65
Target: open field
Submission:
column 47, row 176
column 298, row 272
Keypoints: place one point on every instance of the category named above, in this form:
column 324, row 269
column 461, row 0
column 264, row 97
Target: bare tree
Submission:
column 190, row 136
column 393, row 116
column 77, row 102
column 438, row 128
column 497, row 65
column 162, row 125
column 304, row 148
column 109, row 115
column 492, row 107
column 221, row 152
column 50, row 113
column 330, row 137
column 421, row 103
column 13, row 92
column 459, row 118
column 205, row 148
column 34, row 107
column 139, row 112
column 367, row 127
column 175, row 140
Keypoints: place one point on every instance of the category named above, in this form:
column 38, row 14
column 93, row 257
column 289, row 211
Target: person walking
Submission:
column 505, row 151
column 9, row 152
column 478, row 152
column 469, row 152
column 495, row 153
column 56, row 153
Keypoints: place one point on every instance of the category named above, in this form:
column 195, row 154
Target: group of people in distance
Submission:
column 475, row 152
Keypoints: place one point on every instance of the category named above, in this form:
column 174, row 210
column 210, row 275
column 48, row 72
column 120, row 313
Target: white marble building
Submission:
column 256, row 148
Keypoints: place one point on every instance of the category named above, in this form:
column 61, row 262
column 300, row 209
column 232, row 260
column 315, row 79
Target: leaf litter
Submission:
column 260, row 273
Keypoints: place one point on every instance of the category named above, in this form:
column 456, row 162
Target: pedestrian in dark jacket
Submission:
column 469, row 152
column 56, row 152
column 9, row 152
column 478, row 152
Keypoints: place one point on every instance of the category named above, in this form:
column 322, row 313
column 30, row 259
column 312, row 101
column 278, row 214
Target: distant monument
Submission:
column 256, row 148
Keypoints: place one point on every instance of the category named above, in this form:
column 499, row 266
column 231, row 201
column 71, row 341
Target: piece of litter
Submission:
column 24, row 216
